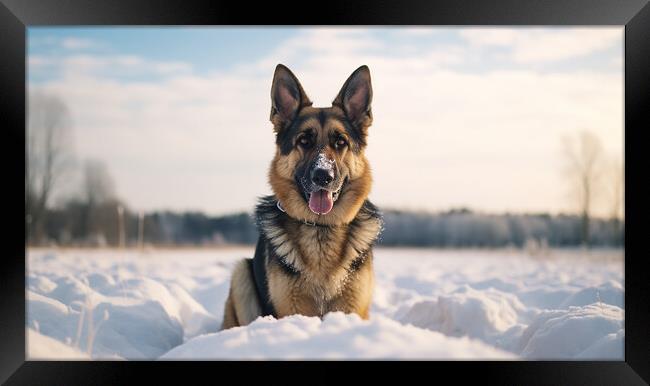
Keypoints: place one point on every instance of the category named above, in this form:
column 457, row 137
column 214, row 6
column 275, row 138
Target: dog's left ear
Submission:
column 355, row 98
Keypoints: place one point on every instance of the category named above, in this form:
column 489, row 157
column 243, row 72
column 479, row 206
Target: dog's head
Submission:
column 320, row 172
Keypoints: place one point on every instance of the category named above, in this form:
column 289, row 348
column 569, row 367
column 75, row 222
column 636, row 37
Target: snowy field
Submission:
column 428, row 304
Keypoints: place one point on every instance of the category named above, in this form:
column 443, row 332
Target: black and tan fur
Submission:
column 313, row 263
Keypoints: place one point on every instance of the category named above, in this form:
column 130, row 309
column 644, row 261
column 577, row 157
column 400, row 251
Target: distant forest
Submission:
column 108, row 224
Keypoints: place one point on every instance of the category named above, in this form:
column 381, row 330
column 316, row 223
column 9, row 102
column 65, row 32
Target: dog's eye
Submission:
column 340, row 143
column 304, row 141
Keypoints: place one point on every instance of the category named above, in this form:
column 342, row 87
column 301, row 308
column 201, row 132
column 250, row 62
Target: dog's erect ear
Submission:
column 287, row 97
column 355, row 98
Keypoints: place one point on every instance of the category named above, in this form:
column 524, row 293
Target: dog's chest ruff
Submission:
column 322, row 257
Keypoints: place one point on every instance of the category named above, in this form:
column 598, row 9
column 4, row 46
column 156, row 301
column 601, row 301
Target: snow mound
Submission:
column 594, row 331
column 337, row 336
column 610, row 292
column 478, row 314
column 125, row 329
column 43, row 347
column 610, row 347
column 136, row 318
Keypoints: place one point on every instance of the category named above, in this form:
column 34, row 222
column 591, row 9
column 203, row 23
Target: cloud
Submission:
column 442, row 137
column 106, row 66
column 72, row 43
column 416, row 31
column 69, row 43
column 35, row 61
column 532, row 45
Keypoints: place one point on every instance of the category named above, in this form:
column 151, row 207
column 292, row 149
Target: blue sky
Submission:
column 475, row 101
column 207, row 49
column 211, row 48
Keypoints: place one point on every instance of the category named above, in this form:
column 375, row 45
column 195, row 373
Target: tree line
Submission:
column 100, row 224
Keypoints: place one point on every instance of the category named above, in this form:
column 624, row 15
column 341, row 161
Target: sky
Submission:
column 463, row 117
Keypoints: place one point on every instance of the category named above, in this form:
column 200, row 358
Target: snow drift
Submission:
column 428, row 304
column 337, row 336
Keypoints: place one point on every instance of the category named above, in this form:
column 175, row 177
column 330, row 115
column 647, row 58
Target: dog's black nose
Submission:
column 322, row 177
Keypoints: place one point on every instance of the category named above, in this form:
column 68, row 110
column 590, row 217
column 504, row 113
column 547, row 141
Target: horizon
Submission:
column 430, row 212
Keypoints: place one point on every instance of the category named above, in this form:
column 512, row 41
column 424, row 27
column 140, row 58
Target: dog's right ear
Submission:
column 287, row 97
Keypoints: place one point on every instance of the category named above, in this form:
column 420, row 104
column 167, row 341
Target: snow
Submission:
column 42, row 346
column 577, row 332
column 466, row 311
column 427, row 304
column 338, row 336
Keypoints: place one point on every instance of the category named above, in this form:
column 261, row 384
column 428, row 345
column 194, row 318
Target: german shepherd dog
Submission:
column 314, row 253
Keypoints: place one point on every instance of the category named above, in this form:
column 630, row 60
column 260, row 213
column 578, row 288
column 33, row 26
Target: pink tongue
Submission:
column 321, row 202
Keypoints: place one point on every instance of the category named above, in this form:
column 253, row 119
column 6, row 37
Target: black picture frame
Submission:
column 17, row 15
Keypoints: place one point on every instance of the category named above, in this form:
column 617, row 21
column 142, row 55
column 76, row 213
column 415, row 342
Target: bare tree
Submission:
column 616, row 185
column 584, row 166
column 99, row 186
column 100, row 202
column 48, row 156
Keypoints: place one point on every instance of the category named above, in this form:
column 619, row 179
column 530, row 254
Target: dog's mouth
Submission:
column 321, row 201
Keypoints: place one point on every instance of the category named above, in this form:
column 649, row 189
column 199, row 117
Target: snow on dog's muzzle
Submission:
column 322, row 176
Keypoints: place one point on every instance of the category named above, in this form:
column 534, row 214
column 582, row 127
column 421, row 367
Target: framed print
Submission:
column 422, row 186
